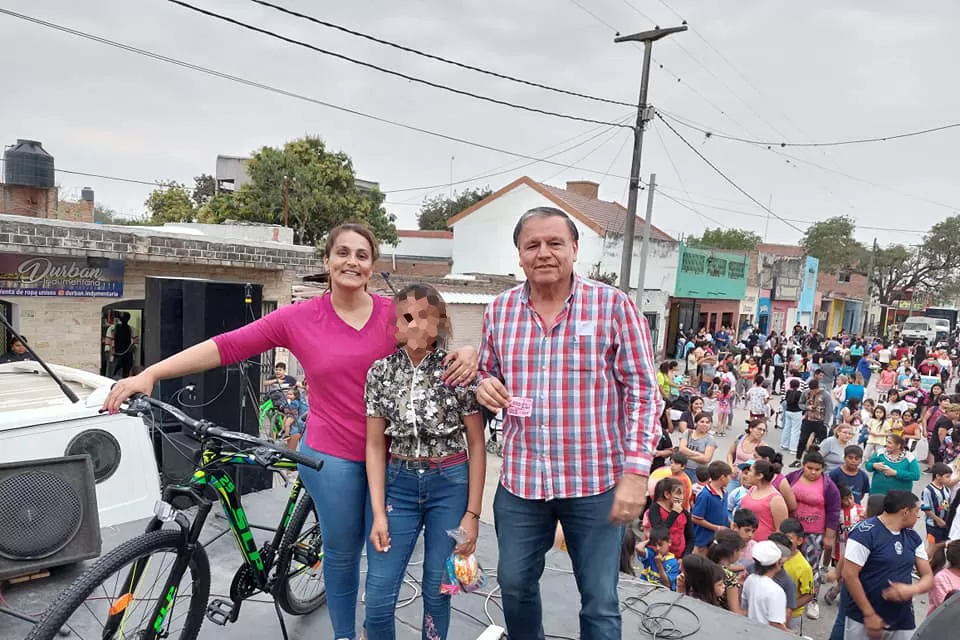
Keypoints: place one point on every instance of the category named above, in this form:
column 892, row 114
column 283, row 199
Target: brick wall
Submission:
column 81, row 211
column 21, row 200
column 467, row 321
column 407, row 267
column 829, row 286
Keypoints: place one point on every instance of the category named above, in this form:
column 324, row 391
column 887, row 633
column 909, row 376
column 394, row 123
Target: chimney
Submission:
column 584, row 188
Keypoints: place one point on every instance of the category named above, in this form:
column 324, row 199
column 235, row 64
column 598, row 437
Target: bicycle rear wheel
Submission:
column 101, row 591
column 301, row 589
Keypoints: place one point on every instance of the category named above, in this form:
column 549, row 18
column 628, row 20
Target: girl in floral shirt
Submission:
column 433, row 477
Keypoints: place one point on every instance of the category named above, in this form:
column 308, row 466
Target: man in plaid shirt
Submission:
column 570, row 362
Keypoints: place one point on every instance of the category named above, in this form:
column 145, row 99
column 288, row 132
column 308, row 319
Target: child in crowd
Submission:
column 724, row 409
column 935, row 502
column 745, row 523
column 763, row 599
column 710, row 401
column 725, row 551
column 703, row 476
column 878, row 428
column 743, row 488
column 850, row 475
column 709, row 511
column 798, row 569
column 757, row 398
column 945, row 564
column 658, row 565
column 850, row 514
column 701, row 578
column 896, row 422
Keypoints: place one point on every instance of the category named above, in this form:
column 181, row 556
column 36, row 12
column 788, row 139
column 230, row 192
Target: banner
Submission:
column 52, row 276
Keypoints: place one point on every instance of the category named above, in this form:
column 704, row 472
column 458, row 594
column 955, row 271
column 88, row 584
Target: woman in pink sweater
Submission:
column 336, row 338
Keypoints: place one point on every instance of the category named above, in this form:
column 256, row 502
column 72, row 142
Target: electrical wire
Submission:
column 284, row 92
column 666, row 151
column 727, row 178
column 834, row 143
column 154, row 183
column 587, row 155
column 392, row 72
column 437, row 58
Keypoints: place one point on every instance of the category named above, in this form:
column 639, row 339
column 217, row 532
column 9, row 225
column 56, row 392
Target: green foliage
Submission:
column 608, row 277
column 170, row 202
column 729, row 239
column 223, row 206
column 204, row 188
column 832, row 242
column 932, row 267
column 435, row 211
column 104, row 214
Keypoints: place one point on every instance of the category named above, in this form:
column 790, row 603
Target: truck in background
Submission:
column 945, row 313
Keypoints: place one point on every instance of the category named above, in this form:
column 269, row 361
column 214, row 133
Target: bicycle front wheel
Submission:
column 102, row 603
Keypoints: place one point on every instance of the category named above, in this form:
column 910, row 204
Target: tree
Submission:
column 170, row 202
column 729, row 239
column 321, row 192
column 104, row 215
column 219, row 208
column 933, row 267
column 833, row 244
column 435, row 211
column 608, row 277
column 204, row 188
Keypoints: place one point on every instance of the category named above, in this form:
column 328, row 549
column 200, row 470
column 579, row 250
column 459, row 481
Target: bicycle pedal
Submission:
column 220, row 612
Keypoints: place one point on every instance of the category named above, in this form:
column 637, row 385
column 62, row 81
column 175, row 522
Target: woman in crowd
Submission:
column 437, row 464
column 764, row 500
column 744, row 447
column 686, row 421
column 833, row 447
column 937, row 424
column 779, row 481
column 335, row 337
column 698, row 445
column 818, row 510
column 891, row 468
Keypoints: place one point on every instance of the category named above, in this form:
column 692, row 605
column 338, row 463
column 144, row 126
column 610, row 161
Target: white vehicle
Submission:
column 921, row 328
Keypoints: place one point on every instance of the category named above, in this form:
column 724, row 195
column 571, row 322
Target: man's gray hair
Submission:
column 544, row 212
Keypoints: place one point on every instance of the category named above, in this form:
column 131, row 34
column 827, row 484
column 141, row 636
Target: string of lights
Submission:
column 385, row 70
column 431, row 56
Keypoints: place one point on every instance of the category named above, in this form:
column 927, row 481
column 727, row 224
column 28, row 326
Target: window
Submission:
column 693, row 262
column 843, row 276
column 736, row 270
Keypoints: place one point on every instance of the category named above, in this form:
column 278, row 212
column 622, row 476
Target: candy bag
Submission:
column 463, row 573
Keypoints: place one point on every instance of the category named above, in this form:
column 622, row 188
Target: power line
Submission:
column 727, row 178
column 392, row 72
column 290, row 94
column 153, row 183
column 462, row 65
column 835, row 143
column 581, row 159
column 676, row 172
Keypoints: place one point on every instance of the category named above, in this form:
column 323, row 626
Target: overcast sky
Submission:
column 803, row 72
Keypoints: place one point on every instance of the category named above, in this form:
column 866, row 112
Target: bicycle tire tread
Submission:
column 300, row 515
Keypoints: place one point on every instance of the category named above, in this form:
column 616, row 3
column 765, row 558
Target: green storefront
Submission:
column 710, row 286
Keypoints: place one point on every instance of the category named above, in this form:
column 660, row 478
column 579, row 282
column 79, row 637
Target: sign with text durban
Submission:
column 53, row 276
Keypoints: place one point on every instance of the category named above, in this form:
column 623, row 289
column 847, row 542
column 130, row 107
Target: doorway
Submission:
column 109, row 315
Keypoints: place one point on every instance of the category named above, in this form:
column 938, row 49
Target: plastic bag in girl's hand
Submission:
column 463, row 573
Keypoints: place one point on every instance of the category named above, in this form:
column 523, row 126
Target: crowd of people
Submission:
column 859, row 418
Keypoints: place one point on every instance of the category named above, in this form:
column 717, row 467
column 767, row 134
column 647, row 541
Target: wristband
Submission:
column 475, row 515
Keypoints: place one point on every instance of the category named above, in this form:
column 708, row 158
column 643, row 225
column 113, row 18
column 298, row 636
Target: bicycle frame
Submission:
column 211, row 476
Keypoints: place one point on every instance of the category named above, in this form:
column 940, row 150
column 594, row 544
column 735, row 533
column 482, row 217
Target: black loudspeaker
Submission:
column 48, row 514
column 182, row 312
column 181, row 453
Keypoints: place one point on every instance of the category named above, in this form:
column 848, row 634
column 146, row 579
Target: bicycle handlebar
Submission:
column 139, row 404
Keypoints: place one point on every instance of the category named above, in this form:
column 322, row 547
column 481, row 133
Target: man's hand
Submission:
column 874, row 625
column 493, row 395
column 898, row 592
column 628, row 498
column 461, row 366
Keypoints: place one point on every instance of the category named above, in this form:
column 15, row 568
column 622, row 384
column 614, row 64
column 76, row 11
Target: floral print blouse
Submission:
column 423, row 414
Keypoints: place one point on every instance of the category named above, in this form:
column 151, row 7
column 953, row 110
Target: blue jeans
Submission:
column 525, row 532
column 790, row 436
column 339, row 491
column 435, row 501
column 837, row 632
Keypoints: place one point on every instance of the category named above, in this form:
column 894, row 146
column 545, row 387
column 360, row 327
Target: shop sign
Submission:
column 57, row 276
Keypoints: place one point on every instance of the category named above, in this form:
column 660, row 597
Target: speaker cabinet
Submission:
column 181, row 453
column 48, row 514
column 182, row 312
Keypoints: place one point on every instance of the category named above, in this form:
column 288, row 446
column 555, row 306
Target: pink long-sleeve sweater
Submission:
column 335, row 357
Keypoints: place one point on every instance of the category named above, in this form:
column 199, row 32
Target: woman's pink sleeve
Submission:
column 272, row 330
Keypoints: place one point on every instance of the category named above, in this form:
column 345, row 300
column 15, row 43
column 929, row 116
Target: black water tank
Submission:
column 86, row 194
column 27, row 164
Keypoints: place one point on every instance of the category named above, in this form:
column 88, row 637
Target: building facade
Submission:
column 841, row 302
column 423, row 253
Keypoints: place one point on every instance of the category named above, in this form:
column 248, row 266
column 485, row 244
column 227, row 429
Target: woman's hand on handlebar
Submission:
column 122, row 390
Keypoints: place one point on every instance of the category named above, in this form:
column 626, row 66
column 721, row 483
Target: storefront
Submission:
column 710, row 287
column 64, row 284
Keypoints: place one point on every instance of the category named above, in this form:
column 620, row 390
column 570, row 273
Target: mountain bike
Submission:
column 157, row 585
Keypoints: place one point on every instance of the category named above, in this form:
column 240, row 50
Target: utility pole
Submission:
column 766, row 225
column 644, row 114
column 645, row 248
column 868, row 299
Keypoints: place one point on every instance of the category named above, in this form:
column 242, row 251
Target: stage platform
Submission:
column 472, row 615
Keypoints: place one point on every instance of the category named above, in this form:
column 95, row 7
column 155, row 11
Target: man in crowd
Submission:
column 570, row 362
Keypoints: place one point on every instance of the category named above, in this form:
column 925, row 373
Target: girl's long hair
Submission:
column 700, row 577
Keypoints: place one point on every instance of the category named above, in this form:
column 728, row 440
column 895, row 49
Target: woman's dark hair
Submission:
column 700, row 578
column 704, row 416
column 726, row 546
column 936, row 385
column 423, row 291
column 897, row 440
column 665, row 487
column 813, row 456
column 753, row 424
column 775, row 458
column 765, row 470
column 628, row 549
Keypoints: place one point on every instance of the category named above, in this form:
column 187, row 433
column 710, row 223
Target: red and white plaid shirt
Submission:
column 592, row 382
